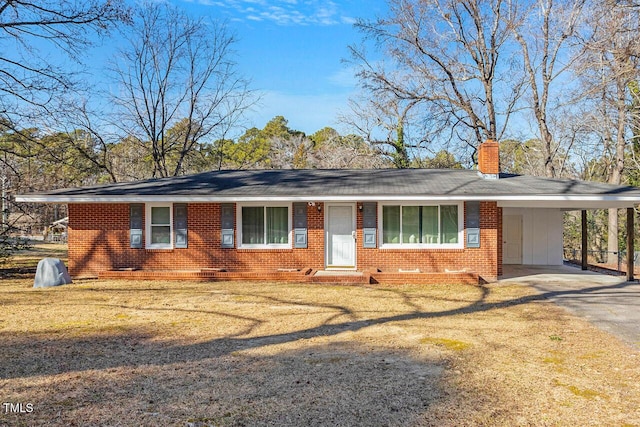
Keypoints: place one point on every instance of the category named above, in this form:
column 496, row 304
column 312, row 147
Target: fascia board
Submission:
column 503, row 200
column 570, row 204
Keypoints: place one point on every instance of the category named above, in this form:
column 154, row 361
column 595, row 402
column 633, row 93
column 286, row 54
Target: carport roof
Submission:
column 351, row 185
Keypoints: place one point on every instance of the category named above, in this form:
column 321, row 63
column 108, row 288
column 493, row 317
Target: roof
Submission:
column 350, row 185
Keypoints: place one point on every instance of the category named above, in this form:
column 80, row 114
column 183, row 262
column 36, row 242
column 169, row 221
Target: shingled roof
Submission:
column 335, row 185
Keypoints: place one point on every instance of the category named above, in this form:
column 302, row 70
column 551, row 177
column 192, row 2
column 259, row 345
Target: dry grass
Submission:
column 23, row 263
column 209, row 354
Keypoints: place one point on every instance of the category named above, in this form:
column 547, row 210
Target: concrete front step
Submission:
column 340, row 276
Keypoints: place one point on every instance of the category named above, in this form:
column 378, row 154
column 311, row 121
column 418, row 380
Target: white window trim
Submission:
column 147, row 220
column 459, row 245
column 288, row 245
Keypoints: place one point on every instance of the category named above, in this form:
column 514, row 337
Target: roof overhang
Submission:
column 571, row 204
column 542, row 201
column 357, row 185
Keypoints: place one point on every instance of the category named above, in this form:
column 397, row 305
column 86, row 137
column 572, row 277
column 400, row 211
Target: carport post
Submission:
column 630, row 239
column 584, row 239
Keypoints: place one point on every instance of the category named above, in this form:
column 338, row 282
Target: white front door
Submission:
column 340, row 238
column 512, row 239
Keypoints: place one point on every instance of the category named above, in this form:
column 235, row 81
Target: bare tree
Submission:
column 178, row 69
column 384, row 123
column 634, row 112
column 544, row 30
column 41, row 44
column 451, row 56
column 346, row 152
column 290, row 152
column 90, row 137
column 32, row 78
column 610, row 68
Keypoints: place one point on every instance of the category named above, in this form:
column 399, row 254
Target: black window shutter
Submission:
column 473, row 224
column 135, row 225
column 300, row 225
column 226, row 222
column 180, row 221
column 369, row 225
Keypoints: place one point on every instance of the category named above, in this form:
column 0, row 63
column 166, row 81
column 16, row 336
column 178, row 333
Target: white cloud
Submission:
column 345, row 77
column 286, row 12
column 348, row 20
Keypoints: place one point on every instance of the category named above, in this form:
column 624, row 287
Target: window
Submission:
column 264, row 226
column 159, row 226
column 421, row 226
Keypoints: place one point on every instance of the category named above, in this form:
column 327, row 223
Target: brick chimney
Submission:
column 489, row 160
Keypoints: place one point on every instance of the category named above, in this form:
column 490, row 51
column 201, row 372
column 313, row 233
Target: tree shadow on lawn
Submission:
column 340, row 383
column 23, row 357
column 105, row 376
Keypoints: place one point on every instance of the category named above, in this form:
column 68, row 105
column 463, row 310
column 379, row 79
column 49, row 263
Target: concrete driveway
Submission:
column 608, row 302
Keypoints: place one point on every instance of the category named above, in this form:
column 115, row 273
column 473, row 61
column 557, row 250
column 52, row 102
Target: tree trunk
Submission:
column 612, row 238
column 618, row 163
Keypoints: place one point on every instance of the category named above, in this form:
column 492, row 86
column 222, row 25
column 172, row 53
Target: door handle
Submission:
column 353, row 234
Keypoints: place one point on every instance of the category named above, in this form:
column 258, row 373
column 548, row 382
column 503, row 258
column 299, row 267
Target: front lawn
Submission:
column 205, row 354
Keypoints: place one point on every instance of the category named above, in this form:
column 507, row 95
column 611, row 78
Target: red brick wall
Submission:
column 483, row 260
column 98, row 237
column 99, row 241
column 489, row 158
column 499, row 240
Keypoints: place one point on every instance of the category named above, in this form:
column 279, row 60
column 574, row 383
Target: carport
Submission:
column 532, row 230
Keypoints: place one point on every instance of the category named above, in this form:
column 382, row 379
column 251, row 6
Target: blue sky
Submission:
column 292, row 50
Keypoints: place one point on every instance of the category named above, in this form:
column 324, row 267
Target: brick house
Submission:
column 380, row 225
